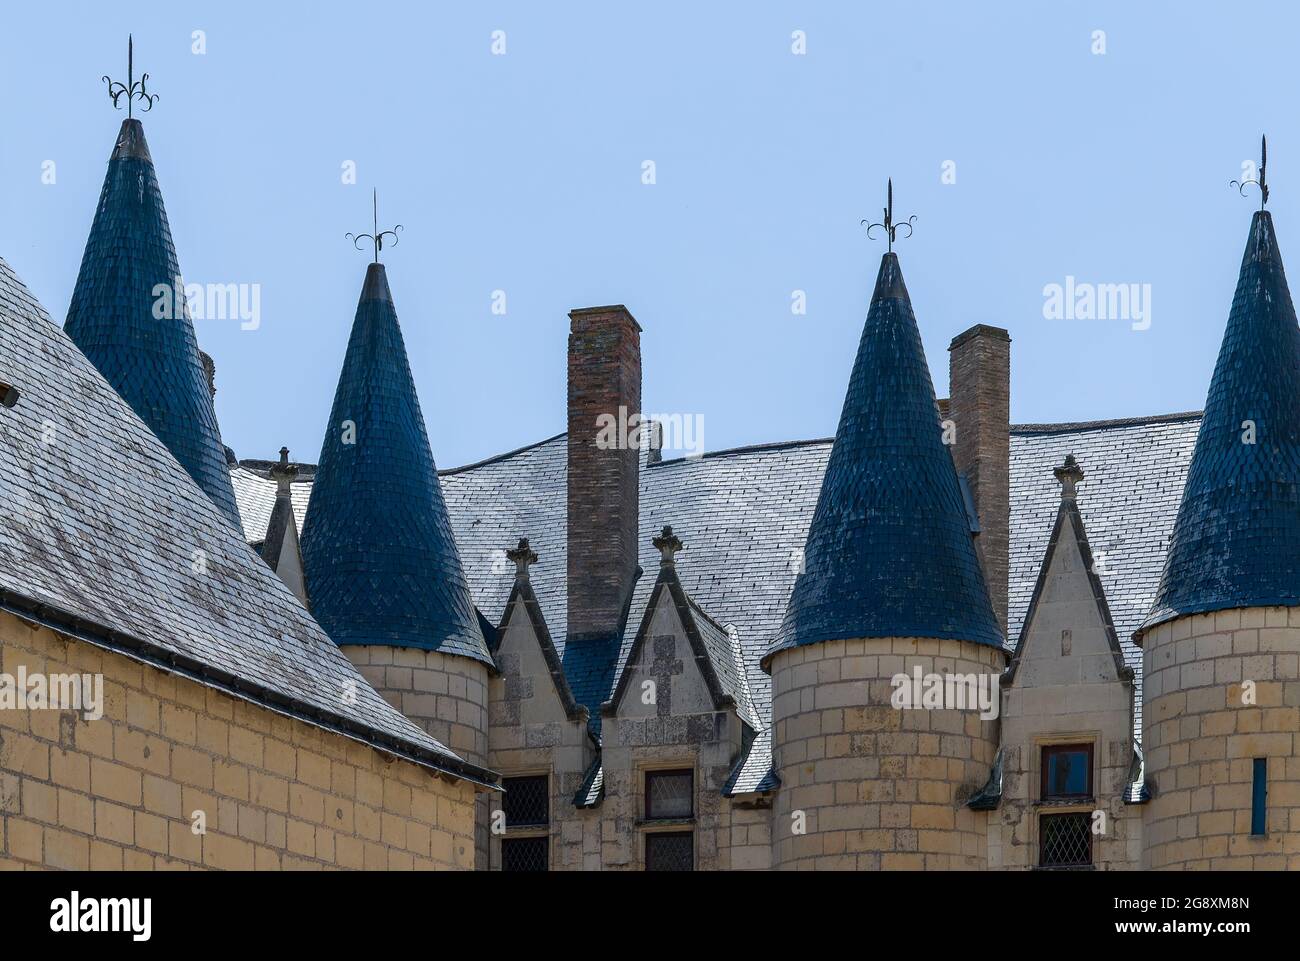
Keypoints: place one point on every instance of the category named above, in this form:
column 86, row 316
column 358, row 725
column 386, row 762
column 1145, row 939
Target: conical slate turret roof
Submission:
column 152, row 361
column 1236, row 542
column 378, row 549
column 889, row 552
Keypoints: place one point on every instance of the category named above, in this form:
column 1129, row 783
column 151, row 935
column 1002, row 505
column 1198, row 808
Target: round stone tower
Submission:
column 889, row 646
column 383, row 574
column 1221, row 646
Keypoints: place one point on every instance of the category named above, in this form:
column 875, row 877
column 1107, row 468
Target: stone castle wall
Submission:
column 444, row 694
column 1201, row 735
column 121, row 792
column 877, row 788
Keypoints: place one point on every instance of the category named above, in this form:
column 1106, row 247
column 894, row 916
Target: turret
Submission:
column 129, row 317
column 382, row 570
column 890, row 598
column 1222, row 642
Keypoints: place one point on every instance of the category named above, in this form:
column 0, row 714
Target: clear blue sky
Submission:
column 523, row 173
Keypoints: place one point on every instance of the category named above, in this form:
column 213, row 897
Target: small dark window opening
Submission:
column 1067, row 772
column 672, row 851
column 669, row 795
column 1259, row 799
column 527, row 801
column 525, row 854
column 1065, row 840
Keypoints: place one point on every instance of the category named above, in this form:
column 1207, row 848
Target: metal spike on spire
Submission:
column 133, row 89
column 890, row 227
column 1262, row 181
column 376, row 237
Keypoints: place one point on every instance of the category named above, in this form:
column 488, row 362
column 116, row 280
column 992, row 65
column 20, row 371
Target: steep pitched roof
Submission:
column 378, row 549
column 105, row 537
column 1236, row 542
column 889, row 552
column 151, row 361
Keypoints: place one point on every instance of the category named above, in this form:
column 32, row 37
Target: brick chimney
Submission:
column 603, row 502
column 979, row 404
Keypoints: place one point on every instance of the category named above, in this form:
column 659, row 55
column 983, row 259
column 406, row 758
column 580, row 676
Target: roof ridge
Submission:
column 1067, row 427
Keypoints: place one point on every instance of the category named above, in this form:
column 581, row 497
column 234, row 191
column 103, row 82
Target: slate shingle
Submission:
column 105, row 534
column 889, row 552
column 153, row 362
column 379, row 555
column 1236, row 542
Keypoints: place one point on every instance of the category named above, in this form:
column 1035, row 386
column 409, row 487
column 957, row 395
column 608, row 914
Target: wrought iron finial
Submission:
column 1262, row 181
column 890, row 227
column 133, row 89
column 376, row 237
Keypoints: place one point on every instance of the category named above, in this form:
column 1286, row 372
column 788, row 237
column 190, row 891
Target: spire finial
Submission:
column 523, row 556
column 376, row 236
column 133, row 90
column 283, row 473
column 1069, row 474
column 668, row 544
column 1261, row 182
column 891, row 228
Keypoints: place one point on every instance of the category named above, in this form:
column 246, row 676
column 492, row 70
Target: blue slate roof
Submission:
column 1236, row 542
column 100, row 531
column 152, row 362
column 378, row 550
column 889, row 552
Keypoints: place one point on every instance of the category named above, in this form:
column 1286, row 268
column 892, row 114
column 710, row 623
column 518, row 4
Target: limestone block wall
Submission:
column 1201, row 735
column 531, row 734
column 877, row 788
column 750, row 847
column 447, row 695
column 120, row 792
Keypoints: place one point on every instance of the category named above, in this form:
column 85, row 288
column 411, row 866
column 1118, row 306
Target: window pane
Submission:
column 1067, row 772
column 1259, row 798
column 1066, row 840
column 526, row 802
column 669, row 794
column 670, row 852
column 525, row 854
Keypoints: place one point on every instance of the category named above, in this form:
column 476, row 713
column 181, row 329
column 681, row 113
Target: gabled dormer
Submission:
column 1062, row 781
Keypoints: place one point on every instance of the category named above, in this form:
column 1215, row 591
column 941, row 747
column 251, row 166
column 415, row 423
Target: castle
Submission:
column 935, row 641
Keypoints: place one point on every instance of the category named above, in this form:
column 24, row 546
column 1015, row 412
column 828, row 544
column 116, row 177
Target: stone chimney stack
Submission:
column 603, row 503
column 979, row 404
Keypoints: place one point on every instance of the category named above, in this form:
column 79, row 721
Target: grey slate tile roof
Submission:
column 744, row 516
column 104, row 535
column 753, row 772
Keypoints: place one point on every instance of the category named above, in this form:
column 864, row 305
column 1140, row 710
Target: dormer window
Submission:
column 1067, row 772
